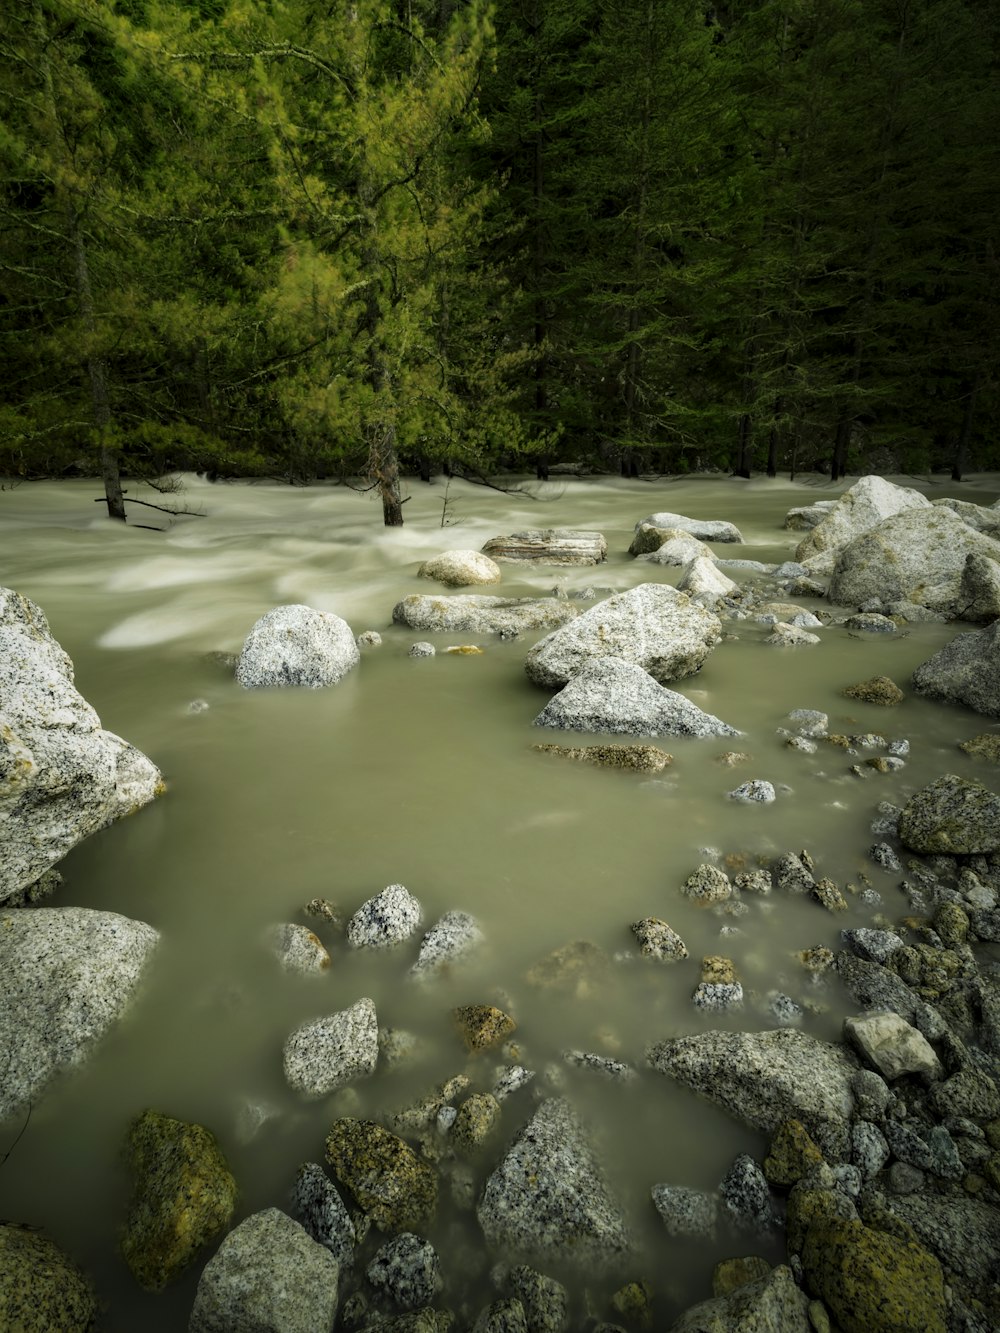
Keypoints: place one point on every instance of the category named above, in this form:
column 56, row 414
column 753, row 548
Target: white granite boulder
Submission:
column 652, row 625
column 475, row 613
column 610, row 695
column 297, row 948
column 764, row 1078
column 66, row 976
column 706, row 529
column 62, row 776
column 860, row 508
column 548, row 1199
column 295, row 645
column 703, row 578
column 386, row 920
column 549, row 546
column 965, row 671
column 327, row 1053
column 918, row 556
column 669, row 546
column 268, row 1276
column 461, row 569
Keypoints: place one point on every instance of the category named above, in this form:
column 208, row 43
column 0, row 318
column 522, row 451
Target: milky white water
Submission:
column 421, row 772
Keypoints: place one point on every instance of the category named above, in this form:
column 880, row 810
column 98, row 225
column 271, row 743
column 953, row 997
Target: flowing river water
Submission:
column 421, row 772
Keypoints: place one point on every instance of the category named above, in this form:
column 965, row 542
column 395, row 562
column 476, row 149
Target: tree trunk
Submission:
column 98, row 374
column 961, row 454
column 841, row 441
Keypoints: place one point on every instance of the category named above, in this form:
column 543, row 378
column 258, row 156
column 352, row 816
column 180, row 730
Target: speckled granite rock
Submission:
column 872, row 1282
column 668, row 546
column 773, row 1304
column 476, row 613
column 964, row 1233
column 407, row 1271
column 387, row 1179
column 324, row 1054
column 953, row 816
column 658, row 940
column 184, row 1195
column 386, row 920
column 965, row 671
column 318, row 1207
column 763, row 1078
column 653, row 626
column 62, row 776
column 460, row 569
column 268, row 1276
column 67, row 974
column 455, row 936
column 297, row 949
column 893, row 1046
column 506, row 1316
column 545, row 1301
column 295, row 645
column 630, row 758
column 861, row 507
column 746, row 1198
column 548, row 1197
column 978, row 597
column 41, row 1289
column 703, row 578
column 612, row 695
column 685, row 1211
column 483, row 1025
column 478, row 1117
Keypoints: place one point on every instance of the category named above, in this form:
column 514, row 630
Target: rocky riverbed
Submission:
column 869, row 1197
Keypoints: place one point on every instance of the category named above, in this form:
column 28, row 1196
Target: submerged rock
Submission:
column 451, row 939
column 459, row 569
column 878, row 690
column 685, row 1211
column 653, row 625
column 41, row 1289
column 268, row 1276
column 578, row 967
column 184, row 1195
column 480, row 614
column 67, row 975
column 483, row 1025
column 62, row 776
column 615, row 696
column 297, row 949
column 548, row 1197
column 658, row 940
column 295, row 645
column 633, row 758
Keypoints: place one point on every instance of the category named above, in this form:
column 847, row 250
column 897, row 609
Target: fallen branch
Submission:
column 192, row 513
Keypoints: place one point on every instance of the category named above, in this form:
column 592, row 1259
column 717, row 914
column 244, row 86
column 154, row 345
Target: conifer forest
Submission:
column 305, row 239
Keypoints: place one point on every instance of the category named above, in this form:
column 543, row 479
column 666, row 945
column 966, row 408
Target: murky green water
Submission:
column 421, row 772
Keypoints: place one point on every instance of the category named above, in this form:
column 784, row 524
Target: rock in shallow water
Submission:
column 452, row 938
column 548, row 1197
column 386, row 920
column 953, row 816
column 66, row 976
column 406, row 1270
column 389, row 1182
column 965, row 671
column 474, row 613
column 320, row 1209
column 616, row 696
column 41, row 1289
column 295, row 645
column 461, row 569
column 267, row 1277
column 62, row 777
column 325, row 1054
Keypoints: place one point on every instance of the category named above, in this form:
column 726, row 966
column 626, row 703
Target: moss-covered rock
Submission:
column 730, row 1274
column 951, row 816
column 41, row 1290
column 986, row 746
column 792, row 1154
column 477, row 1118
column 483, row 1025
column 385, row 1176
column 634, row 758
column 184, row 1196
column 877, row 690
column 872, row 1282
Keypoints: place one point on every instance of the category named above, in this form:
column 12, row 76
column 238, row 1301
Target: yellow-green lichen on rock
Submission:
column 389, row 1182
column 791, row 1155
column 184, row 1196
column 872, row 1282
column 41, row 1289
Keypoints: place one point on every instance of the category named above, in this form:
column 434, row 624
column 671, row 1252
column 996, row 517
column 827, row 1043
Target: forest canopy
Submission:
column 297, row 239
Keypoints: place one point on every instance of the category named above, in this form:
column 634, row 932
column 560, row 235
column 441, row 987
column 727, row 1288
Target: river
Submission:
column 421, row 772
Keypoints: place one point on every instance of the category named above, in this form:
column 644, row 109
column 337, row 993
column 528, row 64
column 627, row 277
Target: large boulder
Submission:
column 268, row 1276
column 951, row 816
column 460, row 569
column 765, row 1078
column 965, row 671
column 772, row 1304
column 980, row 517
column 653, row 625
column 41, row 1289
column 668, row 546
column 184, row 1196
column 704, row 578
column 609, row 695
column 473, row 613
column 548, row 1197
column 918, row 556
column 66, row 975
column 866, row 504
column 62, row 776
column 550, row 546
column 297, row 645
column 705, row 529
column 978, row 597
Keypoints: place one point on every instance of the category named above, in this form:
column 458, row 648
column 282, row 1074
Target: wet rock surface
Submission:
column 296, row 645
